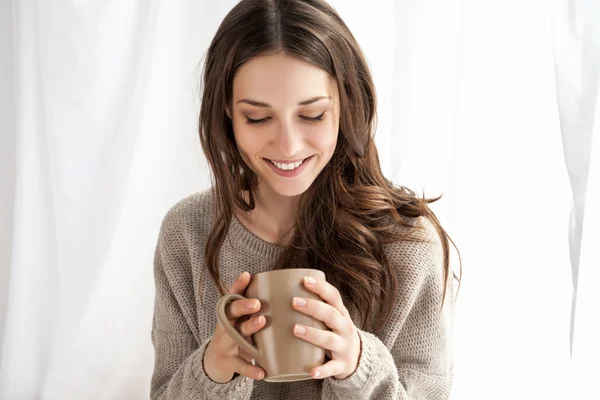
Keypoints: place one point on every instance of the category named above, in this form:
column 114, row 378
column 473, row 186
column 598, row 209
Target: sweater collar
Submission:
column 243, row 237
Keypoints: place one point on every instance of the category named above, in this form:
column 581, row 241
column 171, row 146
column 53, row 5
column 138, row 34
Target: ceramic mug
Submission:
column 283, row 356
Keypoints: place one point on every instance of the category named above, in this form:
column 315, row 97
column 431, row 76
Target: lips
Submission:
column 288, row 165
column 297, row 167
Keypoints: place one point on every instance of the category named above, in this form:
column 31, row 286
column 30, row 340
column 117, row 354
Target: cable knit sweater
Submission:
column 410, row 358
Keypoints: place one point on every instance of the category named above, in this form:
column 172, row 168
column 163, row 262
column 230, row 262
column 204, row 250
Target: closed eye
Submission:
column 313, row 119
column 305, row 118
column 257, row 121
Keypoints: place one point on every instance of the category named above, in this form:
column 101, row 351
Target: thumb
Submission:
column 240, row 284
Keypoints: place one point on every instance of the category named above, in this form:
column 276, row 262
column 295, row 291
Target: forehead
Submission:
column 281, row 79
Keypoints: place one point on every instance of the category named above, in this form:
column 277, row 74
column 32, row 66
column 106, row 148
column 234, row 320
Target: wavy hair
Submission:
column 351, row 210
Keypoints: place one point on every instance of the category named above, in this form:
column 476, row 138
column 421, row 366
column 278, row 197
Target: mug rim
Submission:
column 288, row 269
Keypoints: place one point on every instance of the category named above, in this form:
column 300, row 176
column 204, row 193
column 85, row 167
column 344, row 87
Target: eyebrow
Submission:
column 302, row 103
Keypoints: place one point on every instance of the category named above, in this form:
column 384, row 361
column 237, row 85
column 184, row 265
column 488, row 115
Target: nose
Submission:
column 288, row 141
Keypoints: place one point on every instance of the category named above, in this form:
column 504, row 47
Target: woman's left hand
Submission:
column 342, row 341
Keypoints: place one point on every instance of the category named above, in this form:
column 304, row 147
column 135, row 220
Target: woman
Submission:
column 286, row 124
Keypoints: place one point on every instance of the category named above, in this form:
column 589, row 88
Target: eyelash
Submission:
column 307, row 119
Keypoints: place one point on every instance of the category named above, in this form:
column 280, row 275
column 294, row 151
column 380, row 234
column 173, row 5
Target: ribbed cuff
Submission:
column 239, row 387
column 360, row 377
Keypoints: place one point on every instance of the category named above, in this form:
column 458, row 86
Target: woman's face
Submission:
column 285, row 115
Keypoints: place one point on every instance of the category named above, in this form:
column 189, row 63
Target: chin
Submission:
column 289, row 190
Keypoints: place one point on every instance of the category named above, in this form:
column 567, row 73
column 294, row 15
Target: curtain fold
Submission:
column 576, row 30
column 586, row 316
column 7, row 153
column 576, row 36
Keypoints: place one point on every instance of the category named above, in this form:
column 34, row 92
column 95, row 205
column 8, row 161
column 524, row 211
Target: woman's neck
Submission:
column 272, row 217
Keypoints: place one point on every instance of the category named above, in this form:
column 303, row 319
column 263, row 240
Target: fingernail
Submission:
column 260, row 375
column 310, row 280
column 300, row 330
column 251, row 305
column 317, row 373
column 242, row 276
column 259, row 320
column 299, row 301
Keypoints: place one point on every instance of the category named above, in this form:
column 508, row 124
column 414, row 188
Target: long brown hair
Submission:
column 351, row 210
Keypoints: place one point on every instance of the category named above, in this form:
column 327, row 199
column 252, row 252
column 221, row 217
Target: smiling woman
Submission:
column 286, row 124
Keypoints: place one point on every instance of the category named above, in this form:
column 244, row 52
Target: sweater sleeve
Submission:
column 416, row 362
column 178, row 362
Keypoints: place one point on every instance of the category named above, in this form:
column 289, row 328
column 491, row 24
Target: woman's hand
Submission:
column 342, row 341
column 223, row 358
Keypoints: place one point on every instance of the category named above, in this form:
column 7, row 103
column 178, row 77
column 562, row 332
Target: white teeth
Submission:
column 287, row 167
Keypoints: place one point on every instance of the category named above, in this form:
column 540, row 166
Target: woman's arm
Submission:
column 415, row 363
column 178, row 368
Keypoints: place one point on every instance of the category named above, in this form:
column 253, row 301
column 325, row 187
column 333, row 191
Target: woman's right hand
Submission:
column 223, row 357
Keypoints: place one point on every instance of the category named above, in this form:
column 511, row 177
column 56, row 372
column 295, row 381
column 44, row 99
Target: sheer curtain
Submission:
column 105, row 143
column 577, row 58
column 99, row 104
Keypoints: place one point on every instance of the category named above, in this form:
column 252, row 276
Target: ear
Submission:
column 228, row 112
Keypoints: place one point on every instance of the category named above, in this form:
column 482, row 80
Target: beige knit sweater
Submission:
column 409, row 359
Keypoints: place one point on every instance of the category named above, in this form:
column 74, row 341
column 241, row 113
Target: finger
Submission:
column 252, row 326
column 245, row 355
column 320, row 338
column 240, row 308
column 329, row 293
column 240, row 284
column 321, row 311
column 332, row 368
column 242, row 367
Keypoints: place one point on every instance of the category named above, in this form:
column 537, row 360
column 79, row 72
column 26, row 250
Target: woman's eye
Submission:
column 305, row 118
column 313, row 119
column 256, row 121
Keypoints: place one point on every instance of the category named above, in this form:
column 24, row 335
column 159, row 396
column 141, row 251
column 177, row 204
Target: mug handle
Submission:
column 233, row 333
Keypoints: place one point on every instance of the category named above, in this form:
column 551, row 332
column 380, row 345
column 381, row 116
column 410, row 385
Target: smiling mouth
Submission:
column 288, row 166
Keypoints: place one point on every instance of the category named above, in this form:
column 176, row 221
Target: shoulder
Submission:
column 423, row 237
column 189, row 217
column 420, row 257
column 189, row 210
column 189, row 207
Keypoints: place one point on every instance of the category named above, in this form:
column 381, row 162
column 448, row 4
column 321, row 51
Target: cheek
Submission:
column 324, row 137
column 244, row 139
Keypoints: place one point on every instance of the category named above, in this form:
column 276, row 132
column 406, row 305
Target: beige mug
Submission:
column 283, row 356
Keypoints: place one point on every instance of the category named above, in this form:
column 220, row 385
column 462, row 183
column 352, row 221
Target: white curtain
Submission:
column 99, row 103
column 577, row 57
